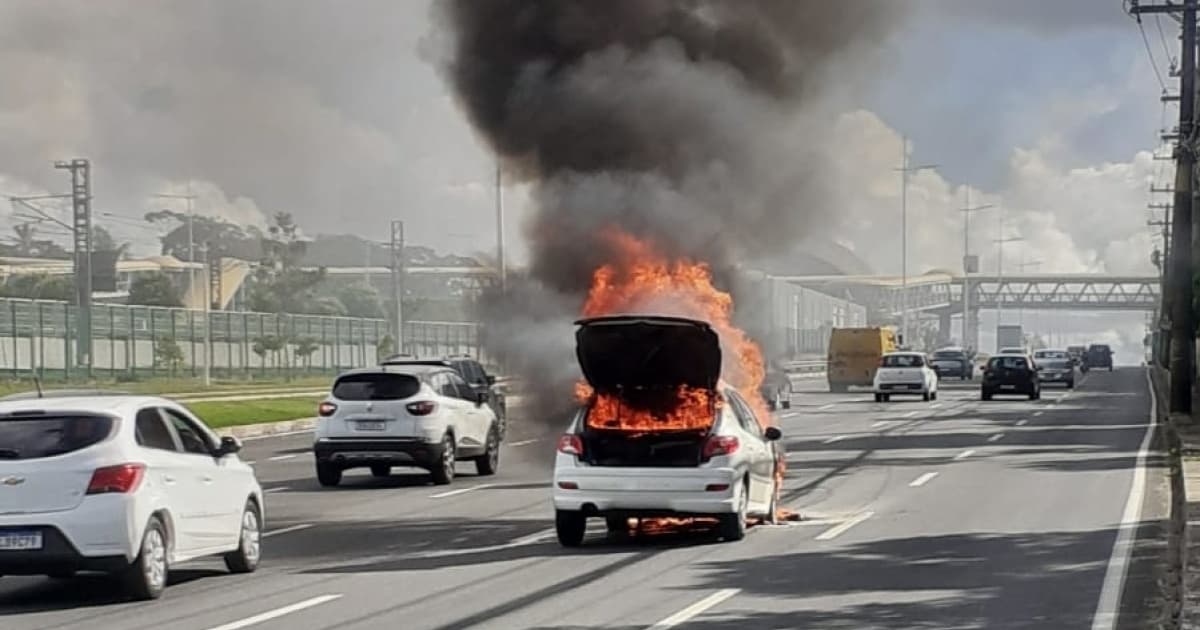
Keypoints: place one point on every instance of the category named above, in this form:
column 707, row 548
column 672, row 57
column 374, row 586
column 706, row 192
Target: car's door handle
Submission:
column 207, row 479
column 168, row 479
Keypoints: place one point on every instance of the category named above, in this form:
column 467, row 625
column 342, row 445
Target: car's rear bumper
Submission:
column 619, row 491
column 1056, row 378
column 1009, row 388
column 101, row 528
column 351, row 453
column 58, row 554
column 900, row 388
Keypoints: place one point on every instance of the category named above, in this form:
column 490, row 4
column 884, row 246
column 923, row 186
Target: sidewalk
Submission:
column 1180, row 584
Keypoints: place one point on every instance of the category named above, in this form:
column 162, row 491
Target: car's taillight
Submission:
column 720, row 445
column 570, row 444
column 422, row 408
column 326, row 409
column 121, row 479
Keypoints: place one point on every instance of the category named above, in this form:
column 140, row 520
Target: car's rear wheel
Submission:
column 878, row 397
column 489, row 462
column 245, row 558
column 443, row 469
column 986, row 395
column 618, row 526
column 328, row 475
column 146, row 577
column 570, row 526
column 926, row 396
column 733, row 526
column 887, row 397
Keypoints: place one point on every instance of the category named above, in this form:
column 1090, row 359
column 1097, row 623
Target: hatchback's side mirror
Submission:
column 481, row 399
column 229, row 446
column 773, row 433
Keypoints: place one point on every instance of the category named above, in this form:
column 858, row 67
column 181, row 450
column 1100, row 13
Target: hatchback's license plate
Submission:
column 20, row 541
column 1008, row 387
column 371, row 425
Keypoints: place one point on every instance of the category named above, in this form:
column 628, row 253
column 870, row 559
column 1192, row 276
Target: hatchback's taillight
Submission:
column 326, row 409
column 121, row 479
column 422, row 408
column 570, row 444
column 720, row 445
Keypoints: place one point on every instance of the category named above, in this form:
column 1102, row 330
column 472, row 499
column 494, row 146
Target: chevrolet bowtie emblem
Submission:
column 12, row 481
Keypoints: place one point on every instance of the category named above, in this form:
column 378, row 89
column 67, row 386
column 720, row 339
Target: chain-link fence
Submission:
column 41, row 338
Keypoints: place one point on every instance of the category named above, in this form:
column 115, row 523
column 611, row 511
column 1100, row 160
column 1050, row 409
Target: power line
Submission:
column 1150, row 53
column 1163, row 38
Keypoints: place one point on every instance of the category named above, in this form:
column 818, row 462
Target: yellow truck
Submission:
column 854, row 355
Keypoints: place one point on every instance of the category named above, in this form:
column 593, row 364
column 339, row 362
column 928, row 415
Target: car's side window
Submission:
column 446, row 387
column 464, row 390
column 152, row 432
column 191, row 437
column 744, row 415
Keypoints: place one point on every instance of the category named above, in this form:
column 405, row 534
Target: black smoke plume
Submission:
column 688, row 123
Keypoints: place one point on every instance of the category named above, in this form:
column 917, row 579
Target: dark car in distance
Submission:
column 471, row 371
column 1011, row 374
column 1098, row 356
column 777, row 389
column 953, row 363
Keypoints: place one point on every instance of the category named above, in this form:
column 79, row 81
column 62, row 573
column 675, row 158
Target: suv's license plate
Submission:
column 371, row 425
column 20, row 541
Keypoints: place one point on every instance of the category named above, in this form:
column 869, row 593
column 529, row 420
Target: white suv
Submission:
column 404, row 415
column 729, row 468
column 124, row 484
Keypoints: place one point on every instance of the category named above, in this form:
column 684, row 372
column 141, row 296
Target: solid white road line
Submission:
column 909, row 414
column 281, row 458
column 1037, row 414
column 825, row 407
column 996, row 437
column 1107, row 611
column 276, row 489
column 923, row 479
column 451, row 493
column 935, row 406
column 251, row 463
column 687, row 614
column 277, row 613
column 1022, row 422
column 878, row 424
column 836, row 438
column 287, row 530
column 965, row 454
column 838, row 530
column 523, row 442
column 790, row 414
column 277, row 435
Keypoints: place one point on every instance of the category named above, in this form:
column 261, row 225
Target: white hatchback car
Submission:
column 905, row 373
column 404, row 415
column 728, row 469
column 129, row 485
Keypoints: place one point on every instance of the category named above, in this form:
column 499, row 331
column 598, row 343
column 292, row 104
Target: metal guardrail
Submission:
column 806, row 367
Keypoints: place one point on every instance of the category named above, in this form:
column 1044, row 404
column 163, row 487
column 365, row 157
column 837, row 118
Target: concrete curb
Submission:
column 1173, row 585
column 268, row 429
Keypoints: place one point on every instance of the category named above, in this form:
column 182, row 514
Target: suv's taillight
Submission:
column 720, row 445
column 122, row 479
column 422, row 408
column 570, row 444
column 326, row 409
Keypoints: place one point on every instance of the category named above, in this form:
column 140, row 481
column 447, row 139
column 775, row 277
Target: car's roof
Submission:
column 1048, row 350
column 904, row 353
column 950, row 349
column 412, row 369
column 118, row 404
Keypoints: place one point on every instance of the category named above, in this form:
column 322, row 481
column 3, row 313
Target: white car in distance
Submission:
column 905, row 373
column 128, row 485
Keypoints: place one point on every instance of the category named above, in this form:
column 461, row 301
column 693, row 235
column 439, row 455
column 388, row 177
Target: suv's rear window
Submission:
column 376, row 387
column 46, row 436
column 903, row 361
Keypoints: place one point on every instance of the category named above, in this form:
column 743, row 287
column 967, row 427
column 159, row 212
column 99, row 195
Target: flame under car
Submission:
column 659, row 434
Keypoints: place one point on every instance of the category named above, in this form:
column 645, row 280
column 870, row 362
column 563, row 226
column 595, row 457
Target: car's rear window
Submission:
column 949, row 355
column 376, row 387
column 34, row 437
column 1010, row 363
column 903, row 361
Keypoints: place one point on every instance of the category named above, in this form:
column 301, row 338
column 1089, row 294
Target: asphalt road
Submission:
column 950, row 514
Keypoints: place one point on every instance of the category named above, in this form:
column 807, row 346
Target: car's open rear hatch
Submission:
column 654, row 389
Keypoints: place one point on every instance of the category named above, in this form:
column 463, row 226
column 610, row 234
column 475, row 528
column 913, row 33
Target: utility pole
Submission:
column 81, row 228
column 398, row 282
column 1033, row 264
column 190, row 198
column 906, row 170
column 1183, row 326
column 501, row 265
column 970, row 265
column 212, row 266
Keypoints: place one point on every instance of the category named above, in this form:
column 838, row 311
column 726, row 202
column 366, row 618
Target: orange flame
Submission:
column 643, row 281
column 687, row 409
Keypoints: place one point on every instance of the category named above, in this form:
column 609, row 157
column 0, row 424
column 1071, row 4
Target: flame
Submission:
column 686, row 409
column 642, row 280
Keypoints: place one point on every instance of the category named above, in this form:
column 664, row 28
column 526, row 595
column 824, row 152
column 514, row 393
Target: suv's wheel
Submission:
column 489, row 462
column 443, row 469
column 570, row 527
column 328, row 475
column 787, row 398
column 926, row 396
column 733, row 526
column 146, row 577
column 245, row 558
column 381, row 470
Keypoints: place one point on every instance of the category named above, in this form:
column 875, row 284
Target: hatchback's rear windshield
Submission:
column 948, row 354
column 1009, row 363
column 376, row 387
column 46, row 436
column 903, row 360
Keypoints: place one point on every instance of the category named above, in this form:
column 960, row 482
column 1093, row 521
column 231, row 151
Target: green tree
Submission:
column 280, row 284
column 39, row 287
column 304, row 348
column 154, row 289
column 268, row 346
column 361, row 300
column 167, row 354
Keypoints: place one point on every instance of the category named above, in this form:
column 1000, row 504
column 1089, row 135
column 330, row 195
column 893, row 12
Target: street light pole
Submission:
column 966, row 295
column 905, row 170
